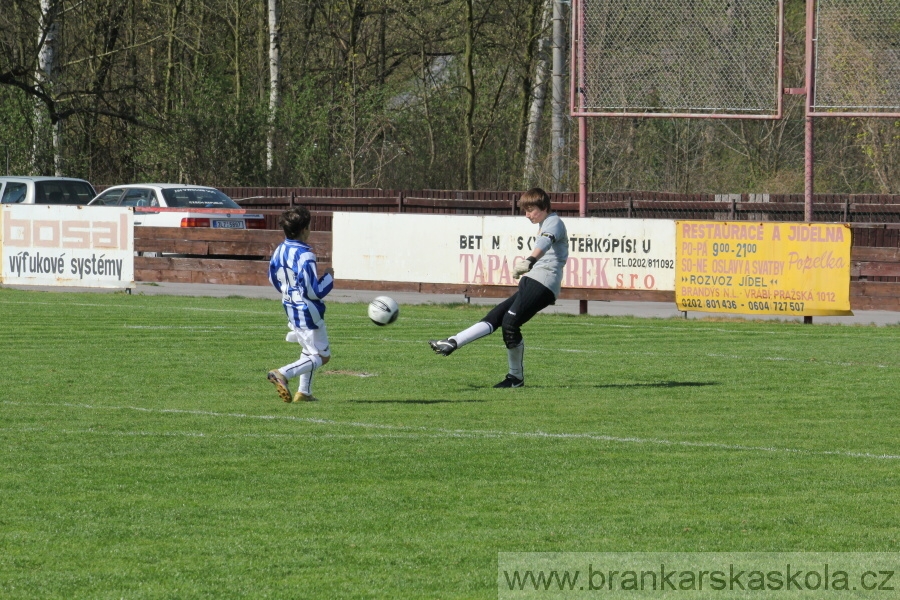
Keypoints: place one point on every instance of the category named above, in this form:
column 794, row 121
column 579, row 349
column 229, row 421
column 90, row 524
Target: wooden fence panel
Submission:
column 202, row 270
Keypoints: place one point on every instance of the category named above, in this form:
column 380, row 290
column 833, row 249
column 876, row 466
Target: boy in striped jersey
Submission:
column 292, row 271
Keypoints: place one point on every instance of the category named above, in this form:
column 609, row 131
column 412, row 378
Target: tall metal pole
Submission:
column 808, row 138
column 576, row 87
column 582, row 185
column 559, row 102
column 582, row 166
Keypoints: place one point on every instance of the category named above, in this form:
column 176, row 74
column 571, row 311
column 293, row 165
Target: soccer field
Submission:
column 144, row 454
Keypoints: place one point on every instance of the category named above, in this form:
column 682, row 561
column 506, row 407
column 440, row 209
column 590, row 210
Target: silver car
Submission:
column 44, row 190
column 179, row 205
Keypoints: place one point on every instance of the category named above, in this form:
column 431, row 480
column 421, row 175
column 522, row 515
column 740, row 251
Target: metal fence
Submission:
column 835, row 208
column 686, row 58
column 857, row 58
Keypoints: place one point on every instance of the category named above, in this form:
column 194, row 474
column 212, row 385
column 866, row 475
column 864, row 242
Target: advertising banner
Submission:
column 763, row 268
column 79, row 246
column 632, row 254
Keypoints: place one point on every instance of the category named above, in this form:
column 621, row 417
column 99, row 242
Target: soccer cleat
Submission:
column 281, row 384
column 301, row 397
column 510, row 382
column 443, row 347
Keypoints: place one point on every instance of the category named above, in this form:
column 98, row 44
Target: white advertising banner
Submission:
column 83, row 246
column 632, row 254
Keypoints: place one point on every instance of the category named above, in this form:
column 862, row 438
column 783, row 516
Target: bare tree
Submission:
column 476, row 137
column 274, row 80
column 44, row 80
column 174, row 11
column 532, row 138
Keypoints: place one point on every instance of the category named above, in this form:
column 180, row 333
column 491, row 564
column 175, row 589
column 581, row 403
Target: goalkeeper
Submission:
column 540, row 278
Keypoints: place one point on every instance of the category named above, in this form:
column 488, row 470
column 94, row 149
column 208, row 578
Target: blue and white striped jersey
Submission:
column 292, row 271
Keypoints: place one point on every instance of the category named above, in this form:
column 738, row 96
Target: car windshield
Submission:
column 62, row 192
column 197, row 198
column 13, row 193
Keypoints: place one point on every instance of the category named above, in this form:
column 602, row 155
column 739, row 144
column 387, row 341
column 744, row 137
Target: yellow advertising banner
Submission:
column 763, row 268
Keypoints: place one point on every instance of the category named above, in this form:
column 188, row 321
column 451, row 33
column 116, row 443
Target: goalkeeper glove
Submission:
column 520, row 267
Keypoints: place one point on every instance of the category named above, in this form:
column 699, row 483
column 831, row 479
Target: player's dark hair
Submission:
column 294, row 220
column 535, row 198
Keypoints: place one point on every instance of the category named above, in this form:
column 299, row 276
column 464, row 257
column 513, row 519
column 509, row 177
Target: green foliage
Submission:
column 15, row 133
column 303, row 137
column 145, row 454
column 376, row 96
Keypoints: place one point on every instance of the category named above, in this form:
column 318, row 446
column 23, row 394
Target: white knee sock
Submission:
column 516, row 357
column 476, row 331
column 304, row 383
column 306, row 364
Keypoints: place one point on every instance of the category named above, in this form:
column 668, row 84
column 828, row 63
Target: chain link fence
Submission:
column 833, row 208
column 857, row 56
column 828, row 208
column 716, row 57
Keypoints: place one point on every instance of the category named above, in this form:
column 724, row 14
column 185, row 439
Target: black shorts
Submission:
column 531, row 298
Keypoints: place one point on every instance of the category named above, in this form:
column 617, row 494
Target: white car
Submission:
column 44, row 190
column 179, row 205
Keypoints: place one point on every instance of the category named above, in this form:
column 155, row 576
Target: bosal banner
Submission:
column 627, row 254
column 78, row 246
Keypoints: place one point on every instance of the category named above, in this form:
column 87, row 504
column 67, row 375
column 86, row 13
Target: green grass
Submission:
column 144, row 454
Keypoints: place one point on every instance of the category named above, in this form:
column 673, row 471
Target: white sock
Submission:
column 304, row 383
column 476, row 331
column 516, row 357
column 306, row 364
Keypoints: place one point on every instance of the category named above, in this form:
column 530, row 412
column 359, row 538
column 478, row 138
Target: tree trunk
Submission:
column 236, row 58
column 274, row 80
column 537, row 103
column 47, row 40
column 470, row 94
column 426, row 81
column 174, row 12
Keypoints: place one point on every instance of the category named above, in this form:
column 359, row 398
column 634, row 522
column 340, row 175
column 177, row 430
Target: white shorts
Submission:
column 314, row 341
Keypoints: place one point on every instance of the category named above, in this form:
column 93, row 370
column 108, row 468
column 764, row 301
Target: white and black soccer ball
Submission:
column 383, row 310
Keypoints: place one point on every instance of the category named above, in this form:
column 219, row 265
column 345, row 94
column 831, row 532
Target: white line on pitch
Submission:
column 481, row 433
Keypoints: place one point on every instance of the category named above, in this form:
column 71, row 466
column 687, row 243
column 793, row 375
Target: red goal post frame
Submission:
column 812, row 109
column 577, row 79
column 813, row 46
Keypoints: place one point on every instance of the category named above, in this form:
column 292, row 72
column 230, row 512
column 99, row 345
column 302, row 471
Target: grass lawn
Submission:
column 144, row 454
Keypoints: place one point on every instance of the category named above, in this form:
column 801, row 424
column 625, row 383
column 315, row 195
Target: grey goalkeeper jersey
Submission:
column 554, row 241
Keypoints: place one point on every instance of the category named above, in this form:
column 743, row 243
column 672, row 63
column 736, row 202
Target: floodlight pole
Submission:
column 582, row 185
column 809, row 140
column 557, row 122
column 576, row 87
column 582, row 166
column 575, row 75
column 808, row 90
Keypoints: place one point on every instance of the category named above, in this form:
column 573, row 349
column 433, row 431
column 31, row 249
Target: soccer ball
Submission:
column 383, row 310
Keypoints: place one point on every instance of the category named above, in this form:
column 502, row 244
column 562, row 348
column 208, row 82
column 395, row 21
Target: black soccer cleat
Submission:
column 511, row 382
column 443, row 347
